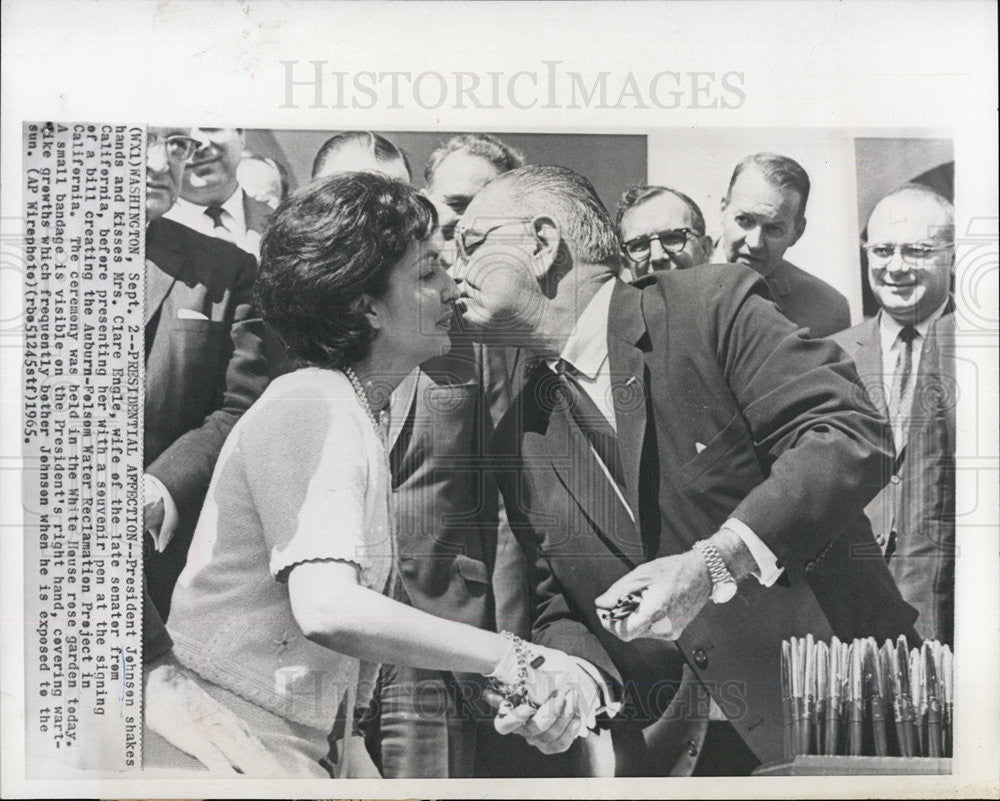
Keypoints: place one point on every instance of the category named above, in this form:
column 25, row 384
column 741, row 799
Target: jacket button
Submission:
column 692, row 748
column 701, row 659
column 810, row 566
column 895, row 479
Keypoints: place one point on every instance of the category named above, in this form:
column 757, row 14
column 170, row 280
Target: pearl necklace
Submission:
column 363, row 396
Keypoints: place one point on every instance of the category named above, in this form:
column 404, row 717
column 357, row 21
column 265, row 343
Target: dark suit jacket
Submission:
column 723, row 410
column 201, row 374
column 807, row 300
column 913, row 515
column 444, row 506
column 256, row 213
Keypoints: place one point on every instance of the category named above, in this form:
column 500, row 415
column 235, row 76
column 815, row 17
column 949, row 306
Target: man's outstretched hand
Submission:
column 672, row 591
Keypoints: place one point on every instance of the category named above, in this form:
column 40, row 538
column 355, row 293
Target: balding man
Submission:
column 351, row 151
column 905, row 356
column 764, row 214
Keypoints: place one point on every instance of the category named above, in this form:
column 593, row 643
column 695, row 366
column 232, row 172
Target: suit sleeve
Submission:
column 823, row 447
column 185, row 468
column 556, row 624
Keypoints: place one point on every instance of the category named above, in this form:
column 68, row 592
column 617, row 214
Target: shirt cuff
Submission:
column 767, row 562
column 151, row 486
column 606, row 703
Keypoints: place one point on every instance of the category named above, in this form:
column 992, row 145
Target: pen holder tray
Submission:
column 855, row 766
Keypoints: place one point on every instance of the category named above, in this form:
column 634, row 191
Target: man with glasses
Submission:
column 661, row 229
column 905, row 357
column 211, row 199
column 685, row 473
column 205, row 361
column 763, row 214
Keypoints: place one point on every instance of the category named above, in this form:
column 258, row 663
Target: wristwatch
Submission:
column 723, row 583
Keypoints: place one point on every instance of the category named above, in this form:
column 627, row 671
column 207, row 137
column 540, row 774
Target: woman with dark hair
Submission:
column 281, row 609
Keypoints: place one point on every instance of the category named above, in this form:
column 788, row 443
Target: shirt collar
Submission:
column 889, row 329
column 234, row 206
column 587, row 346
column 184, row 211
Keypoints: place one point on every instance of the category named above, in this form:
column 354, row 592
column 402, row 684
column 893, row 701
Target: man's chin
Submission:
column 749, row 261
column 901, row 298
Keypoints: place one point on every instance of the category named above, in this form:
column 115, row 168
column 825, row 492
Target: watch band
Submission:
column 723, row 582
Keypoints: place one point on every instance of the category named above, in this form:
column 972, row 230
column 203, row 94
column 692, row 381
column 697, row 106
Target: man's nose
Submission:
column 896, row 263
column 754, row 238
column 205, row 140
column 449, row 292
column 657, row 255
column 156, row 159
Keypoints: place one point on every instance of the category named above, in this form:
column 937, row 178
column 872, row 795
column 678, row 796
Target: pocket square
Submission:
column 190, row 314
column 699, row 447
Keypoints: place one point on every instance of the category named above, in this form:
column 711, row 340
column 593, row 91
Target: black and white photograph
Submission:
column 482, row 427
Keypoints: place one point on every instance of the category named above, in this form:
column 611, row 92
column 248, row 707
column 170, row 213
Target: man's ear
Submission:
column 725, row 202
column 800, row 228
column 707, row 248
column 548, row 241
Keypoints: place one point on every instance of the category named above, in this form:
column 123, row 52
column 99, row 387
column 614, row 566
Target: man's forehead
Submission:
column 664, row 210
column 754, row 189
column 169, row 130
column 491, row 205
column 923, row 214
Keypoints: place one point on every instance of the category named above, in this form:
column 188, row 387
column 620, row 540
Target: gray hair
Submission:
column 504, row 158
column 571, row 200
column 636, row 195
column 779, row 171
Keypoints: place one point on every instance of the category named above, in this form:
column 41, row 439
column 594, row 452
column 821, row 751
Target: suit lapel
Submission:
column 164, row 263
column 400, row 403
column 255, row 214
column 626, row 330
column 868, row 360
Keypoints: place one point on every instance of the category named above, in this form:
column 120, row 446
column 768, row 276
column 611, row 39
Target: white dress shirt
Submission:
column 888, row 332
column 234, row 222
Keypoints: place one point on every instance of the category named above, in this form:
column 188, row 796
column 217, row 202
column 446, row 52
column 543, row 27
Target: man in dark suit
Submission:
column 905, row 357
column 205, row 364
column 677, row 438
column 212, row 201
column 764, row 214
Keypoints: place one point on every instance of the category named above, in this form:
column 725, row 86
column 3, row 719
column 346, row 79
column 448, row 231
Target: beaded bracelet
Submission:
column 516, row 694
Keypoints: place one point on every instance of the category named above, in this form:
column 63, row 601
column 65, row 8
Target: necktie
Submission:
column 901, row 395
column 216, row 212
column 591, row 421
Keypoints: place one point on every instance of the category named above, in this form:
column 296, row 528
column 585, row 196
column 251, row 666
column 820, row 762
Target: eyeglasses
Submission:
column 884, row 251
column 671, row 241
column 467, row 242
column 178, row 146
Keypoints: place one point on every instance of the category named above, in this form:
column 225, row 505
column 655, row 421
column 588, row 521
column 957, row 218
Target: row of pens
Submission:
column 857, row 699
